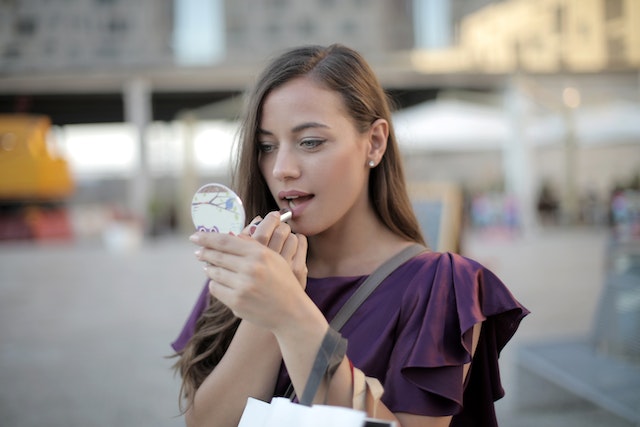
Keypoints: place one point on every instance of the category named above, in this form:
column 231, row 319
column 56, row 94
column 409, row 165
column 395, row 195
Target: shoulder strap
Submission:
column 372, row 282
column 360, row 295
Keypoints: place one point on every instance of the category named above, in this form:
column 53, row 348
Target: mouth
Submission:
column 296, row 200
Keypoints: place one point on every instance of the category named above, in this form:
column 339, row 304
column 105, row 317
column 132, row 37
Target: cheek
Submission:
column 347, row 173
column 264, row 166
column 352, row 161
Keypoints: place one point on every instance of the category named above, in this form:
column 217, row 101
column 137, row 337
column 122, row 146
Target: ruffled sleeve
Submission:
column 440, row 307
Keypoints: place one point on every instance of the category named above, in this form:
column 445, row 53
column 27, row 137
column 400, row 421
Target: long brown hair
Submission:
column 345, row 71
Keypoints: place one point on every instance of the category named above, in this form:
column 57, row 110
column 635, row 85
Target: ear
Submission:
column 378, row 136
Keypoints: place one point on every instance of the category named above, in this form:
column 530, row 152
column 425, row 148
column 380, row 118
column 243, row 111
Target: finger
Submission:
column 303, row 247
column 265, row 229
column 289, row 247
column 220, row 292
column 221, row 276
column 251, row 227
column 220, row 242
column 279, row 237
column 219, row 259
column 299, row 261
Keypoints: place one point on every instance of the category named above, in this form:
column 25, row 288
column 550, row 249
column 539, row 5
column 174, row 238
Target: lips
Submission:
column 295, row 200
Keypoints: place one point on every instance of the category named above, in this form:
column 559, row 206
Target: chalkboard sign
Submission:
column 438, row 207
column 429, row 213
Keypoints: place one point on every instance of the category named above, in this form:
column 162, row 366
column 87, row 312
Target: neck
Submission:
column 355, row 247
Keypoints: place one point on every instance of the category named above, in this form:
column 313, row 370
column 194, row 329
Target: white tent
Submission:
column 613, row 122
column 450, row 124
column 455, row 125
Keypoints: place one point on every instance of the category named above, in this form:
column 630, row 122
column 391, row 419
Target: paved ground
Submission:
column 557, row 274
column 84, row 331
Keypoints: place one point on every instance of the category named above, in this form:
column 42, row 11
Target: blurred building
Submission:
column 81, row 53
column 39, row 35
column 377, row 26
column 542, row 61
column 544, row 36
column 45, row 36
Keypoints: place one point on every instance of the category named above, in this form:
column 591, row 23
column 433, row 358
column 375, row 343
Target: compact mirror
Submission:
column 217, row 208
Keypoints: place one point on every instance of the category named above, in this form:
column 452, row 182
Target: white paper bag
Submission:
column 281, row 412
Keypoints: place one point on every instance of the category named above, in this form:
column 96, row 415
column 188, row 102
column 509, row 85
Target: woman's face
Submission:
column 312, row 157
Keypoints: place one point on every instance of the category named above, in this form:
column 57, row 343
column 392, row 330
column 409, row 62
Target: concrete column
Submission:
column 189, row 177
column 138, row 112
column 571, row 203
column 432, row 24
column 517, row 157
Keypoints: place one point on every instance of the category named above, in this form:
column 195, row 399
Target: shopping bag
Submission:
column 282, row 412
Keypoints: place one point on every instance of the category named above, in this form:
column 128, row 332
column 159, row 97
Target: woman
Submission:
column 317, row 139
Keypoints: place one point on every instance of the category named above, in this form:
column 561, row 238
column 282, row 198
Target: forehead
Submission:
column 302, row 96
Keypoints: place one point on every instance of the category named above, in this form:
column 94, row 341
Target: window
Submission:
column 613, row 9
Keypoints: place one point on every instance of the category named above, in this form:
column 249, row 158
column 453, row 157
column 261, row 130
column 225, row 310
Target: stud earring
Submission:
column 371, row 163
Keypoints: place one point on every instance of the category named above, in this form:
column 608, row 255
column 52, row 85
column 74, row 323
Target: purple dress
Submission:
column 414, row 334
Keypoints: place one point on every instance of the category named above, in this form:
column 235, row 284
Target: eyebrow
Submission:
column 298, row 128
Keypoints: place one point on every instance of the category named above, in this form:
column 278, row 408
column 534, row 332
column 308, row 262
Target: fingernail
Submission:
column 198, row 253
column 194, row 238
column 252, row 230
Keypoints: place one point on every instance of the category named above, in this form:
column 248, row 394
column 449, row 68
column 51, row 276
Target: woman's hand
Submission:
column 278, row 236
column 259, row 277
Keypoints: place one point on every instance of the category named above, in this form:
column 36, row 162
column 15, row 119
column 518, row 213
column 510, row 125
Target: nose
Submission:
column 286, row 164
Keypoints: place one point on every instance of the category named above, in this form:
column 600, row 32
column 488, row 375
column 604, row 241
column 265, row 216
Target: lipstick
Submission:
column 285, row 215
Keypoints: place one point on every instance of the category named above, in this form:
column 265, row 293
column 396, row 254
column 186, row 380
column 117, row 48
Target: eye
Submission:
column 311, row 143
column 266, row 147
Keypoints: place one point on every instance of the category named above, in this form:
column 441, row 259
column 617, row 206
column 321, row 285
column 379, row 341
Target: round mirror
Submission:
column 217, row 208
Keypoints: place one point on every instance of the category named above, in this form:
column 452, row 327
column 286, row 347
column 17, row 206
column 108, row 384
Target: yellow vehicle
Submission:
column 29, row 170
column 35, row 182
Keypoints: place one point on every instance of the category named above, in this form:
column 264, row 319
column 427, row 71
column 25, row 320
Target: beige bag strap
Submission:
column 367, row 392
